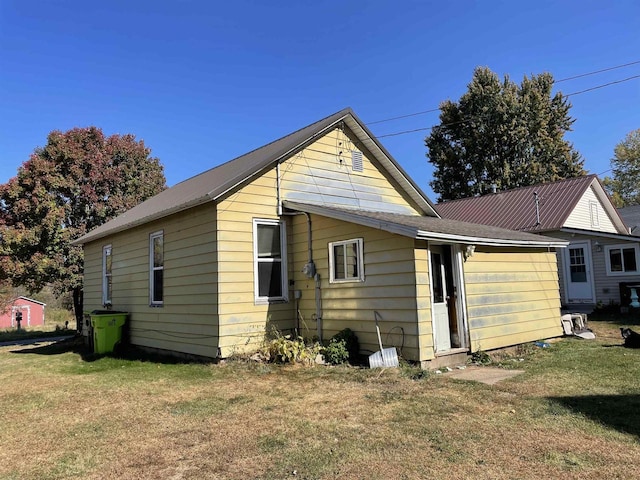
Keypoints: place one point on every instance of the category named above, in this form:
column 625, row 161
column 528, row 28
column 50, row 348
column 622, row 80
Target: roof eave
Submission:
column 491, row 242
column 416, row 233
column 92, row 237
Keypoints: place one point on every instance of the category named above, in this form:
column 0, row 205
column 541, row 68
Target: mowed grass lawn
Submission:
column 574, row 413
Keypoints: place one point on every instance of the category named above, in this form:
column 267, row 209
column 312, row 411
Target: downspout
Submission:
column 535, row 196
column 310, row 271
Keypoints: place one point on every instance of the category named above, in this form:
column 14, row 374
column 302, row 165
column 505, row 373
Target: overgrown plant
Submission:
column 336, row 352
column 351, row 343
column 289, row 349
column 480, row 358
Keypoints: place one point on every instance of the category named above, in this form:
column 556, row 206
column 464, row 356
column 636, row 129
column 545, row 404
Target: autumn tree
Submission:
column 624, row 186
column 503, row 134
column 78, row 181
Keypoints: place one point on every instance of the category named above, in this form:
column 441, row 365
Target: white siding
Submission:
column 607, row 287
column 581, row 216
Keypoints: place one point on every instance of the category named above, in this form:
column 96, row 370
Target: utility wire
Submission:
column 555, row 81
column 394, row 134
column 404, row 116
column 596, row 71
column 602, row 86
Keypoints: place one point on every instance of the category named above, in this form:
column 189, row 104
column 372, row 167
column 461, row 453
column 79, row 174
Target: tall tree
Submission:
column 78, row 181
column 624, row 187
column 503, row 134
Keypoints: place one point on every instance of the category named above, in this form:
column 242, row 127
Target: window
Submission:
column 345, row 261
column 156, row 268
column 578, row 265
column 621, row 259
column 107, row 283
column 269, row 259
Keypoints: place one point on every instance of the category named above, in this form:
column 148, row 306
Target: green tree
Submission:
column 78, row 181
column 503, row 134
column 624, row 186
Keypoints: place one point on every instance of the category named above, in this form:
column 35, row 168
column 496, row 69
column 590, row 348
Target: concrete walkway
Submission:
column 488, row 375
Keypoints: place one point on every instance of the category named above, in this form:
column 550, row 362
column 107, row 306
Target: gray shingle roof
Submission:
column 212, row 184
column 631, row 216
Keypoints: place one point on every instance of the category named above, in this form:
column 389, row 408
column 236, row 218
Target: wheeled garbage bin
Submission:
column 107, row 329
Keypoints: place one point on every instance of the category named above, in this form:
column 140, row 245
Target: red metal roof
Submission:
column 516, row 209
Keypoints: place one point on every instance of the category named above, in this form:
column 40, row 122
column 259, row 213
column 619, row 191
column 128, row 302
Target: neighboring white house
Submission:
column 602, row 259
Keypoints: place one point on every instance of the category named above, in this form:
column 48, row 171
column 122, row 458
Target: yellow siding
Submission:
column 389, row 287
column 322, row 174
column 242, row 322
column 187, row 322
column 423, row 297
column 512, row 297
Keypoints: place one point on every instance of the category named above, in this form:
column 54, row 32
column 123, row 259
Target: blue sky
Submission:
column 202, row 82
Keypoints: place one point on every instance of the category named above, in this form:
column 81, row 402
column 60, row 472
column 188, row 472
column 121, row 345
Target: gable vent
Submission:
column 356, row 161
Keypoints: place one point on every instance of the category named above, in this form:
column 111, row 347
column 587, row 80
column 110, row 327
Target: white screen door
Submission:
column 578, row 273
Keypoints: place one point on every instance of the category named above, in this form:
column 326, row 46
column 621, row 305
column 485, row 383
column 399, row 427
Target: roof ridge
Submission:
column 518, row 189
column 344, row 111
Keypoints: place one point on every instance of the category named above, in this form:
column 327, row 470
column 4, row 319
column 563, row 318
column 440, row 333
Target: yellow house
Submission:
column 316, row 232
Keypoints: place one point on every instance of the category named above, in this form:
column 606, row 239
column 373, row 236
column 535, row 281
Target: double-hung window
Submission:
column 107, row 282
column 156, row 268
column 346, row 261
column 621, row 259
column 269, row 261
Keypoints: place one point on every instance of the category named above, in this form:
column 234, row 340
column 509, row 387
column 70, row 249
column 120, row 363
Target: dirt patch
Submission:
column 487, row 375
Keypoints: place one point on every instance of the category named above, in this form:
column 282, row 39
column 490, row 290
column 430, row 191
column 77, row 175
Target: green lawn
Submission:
column 572, row 414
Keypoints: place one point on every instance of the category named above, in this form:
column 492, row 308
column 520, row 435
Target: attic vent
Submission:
column 356, row 161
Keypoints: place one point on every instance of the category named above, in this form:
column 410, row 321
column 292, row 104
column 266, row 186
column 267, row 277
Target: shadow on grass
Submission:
column 122, row 352
column 616, row 411
column 615, row 317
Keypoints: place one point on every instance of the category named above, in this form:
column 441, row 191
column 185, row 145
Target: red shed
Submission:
column 32, row 313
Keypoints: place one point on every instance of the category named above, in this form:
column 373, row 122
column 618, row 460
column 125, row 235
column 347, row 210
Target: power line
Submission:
column 404, row 116
column 555, row 81
column 394, row 134
column 597, row 71
column 602, row 86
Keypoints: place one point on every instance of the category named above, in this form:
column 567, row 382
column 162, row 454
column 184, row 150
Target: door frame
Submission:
column 566, row 270
column 457, row 278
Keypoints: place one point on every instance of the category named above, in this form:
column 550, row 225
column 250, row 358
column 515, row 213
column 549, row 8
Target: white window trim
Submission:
column 360, row 277
column 607, row 259
column 262, row 300
column 105, row 289
column 593, row 211
column 152, row 268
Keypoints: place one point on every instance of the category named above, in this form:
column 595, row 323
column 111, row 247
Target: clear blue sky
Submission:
column 202, row 82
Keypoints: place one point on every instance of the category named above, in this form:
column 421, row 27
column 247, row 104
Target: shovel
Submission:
column 386, row 357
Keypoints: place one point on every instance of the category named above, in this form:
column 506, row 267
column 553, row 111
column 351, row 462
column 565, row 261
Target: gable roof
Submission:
column 516, row 209
column 430, row 228
column 216, row 182
column 31, row 300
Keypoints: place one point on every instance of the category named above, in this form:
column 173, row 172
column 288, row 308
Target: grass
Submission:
column 69, row 414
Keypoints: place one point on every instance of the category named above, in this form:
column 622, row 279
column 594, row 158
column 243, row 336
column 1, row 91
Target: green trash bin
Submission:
column 107, row 329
